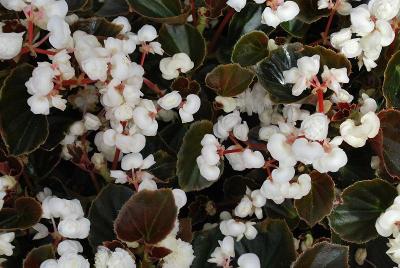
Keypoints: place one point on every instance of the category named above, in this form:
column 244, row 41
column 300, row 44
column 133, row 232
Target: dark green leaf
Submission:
column 148, row 216
column 165, row 166
column 295, row 28
column 313, row 207
column 98, row 27
column 309, row 11
column 251, row 48
column 163, row 11
column 324, row 255
column 75, row 5
column 183, row 38
column 111, row 8
column 186, row 167
column 229, row 79
column 388, row 141
column 270, row 70
column 27, row 212
column 285, row 211
column 22, row 131
column 391, row 82
column 38, row 255
column 363, row 202
column 41, row 162
column 104, row 211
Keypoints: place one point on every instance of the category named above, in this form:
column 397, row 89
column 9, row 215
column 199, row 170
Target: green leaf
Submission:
column 183, row 38
column 111, row 8
column 148, row 216
column 187, row 170
column 103, row 212
column 165, row 166
column 309, row 11
column 273, row 245
column 324, row 255
column 313, row 207
column 363, row 202
column 295, row 28
column 235, row 186
column 186, row 86
column 38, row 255
column 270, row 70
column 27, row 212
column 250, row 49
column 391, row 82
column 75, row 5
column 41, row 162
column 229, row 80
column 163, row 11
column 97, row 26
column 388, row 141
column 22, row 131
column 285, row 211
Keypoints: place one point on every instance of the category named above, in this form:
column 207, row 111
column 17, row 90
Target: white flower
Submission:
column 384, row 9
column 72, row 260
column 95, row 68
column 42, row 231
column 91, row 121
column 244, row 208
column 69, row 246
column 241, row 131
column 147, row 33
column 10, row 45
column 333, row 77
column 77, row 128
column 209, row 172
column 60, row 34
column 386, row 223
column 253, row 159
column 189, row 107
column 229, row 104
column 119, row 176
column 331, row 161
column 120, row 258
column 181, row 255
column 180, row 198
column 171, row 66
column 368, row 104
column 224, row 252
column 361, row 22
column 249, row 260
column 233, row 228
column 285, row 11
column 357, row 136
column 16, row 5
column 75, row 229
column 315, row 126
column 237, row 5
column 394, row 249
column 56, row 207
column 170, row 100
column 281, row 150
column 300, row 76
column 337, row 39
column 136, row 161
column 5, row 243
column 124, row 22
column 49, row 263
column 283, row 174
column 351, row 48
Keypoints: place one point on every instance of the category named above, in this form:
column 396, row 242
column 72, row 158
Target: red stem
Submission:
column 193, row 6
column 77, row 82
column 153, row 86
column 30, row 31
column 142, row 59
column 221, row 27
column 45, row 52
column 320, row 100
column 40, row 42
column 328, row 26
column 238, row 150
column 117, row 151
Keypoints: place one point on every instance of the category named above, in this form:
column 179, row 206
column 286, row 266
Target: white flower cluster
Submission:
column 277, row 11
column 119, row 258
column 69, row 256
column 6, row 183
column 369, row 32
column 187, row 108
column 6, row 248
column 72, row 223
column 182, row 254
column 387, row 225
column 223, row 254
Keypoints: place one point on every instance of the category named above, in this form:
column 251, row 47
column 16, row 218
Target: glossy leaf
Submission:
column 103, row 212
column 148, row 216
column 76, row 5
column 38, row 255
column 295, row 28
column 391, row 82
column 187, row 170
column 270, row 70
column 251, row 48
column 41, row 162
column 163, row 11
column 285, row 211
column 98, row 27
column 324, row 255
column 215, row 8
column 112, row 8
column 309, row 11
column 363, row 202
column 165, row 166
column 183, row 38
column 273, row 245
column 388, row 141
column 186, row 86
column 229, row 79
column 313, row 207
column 27, row 212
column 22, row 131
